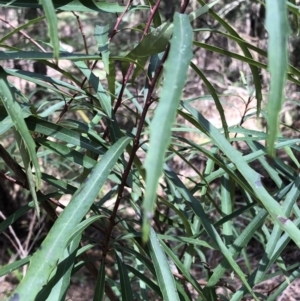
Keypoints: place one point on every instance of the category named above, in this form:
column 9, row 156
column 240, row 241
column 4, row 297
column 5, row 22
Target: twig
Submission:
column 22, row 179
column 84, row 42
column 10, row 179
column 13, row 244
column 220, row 283
column 131, row 66
column 41, row 222
column 245, row 112
column 16, row 168
column 25, row 35
column 19, row 246
column 30, row 232
column 183, row 6
column 135, row 147
column 119, row 19
column 83, row 36
column 67, row 105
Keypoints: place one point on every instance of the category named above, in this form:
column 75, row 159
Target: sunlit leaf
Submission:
column 45, row 259
column 52, row 25
column 160, row 129
column 278, row 29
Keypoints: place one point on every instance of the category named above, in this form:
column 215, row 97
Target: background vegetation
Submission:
column 121, row 152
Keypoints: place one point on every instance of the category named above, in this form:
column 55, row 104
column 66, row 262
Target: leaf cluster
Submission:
column 159, row 226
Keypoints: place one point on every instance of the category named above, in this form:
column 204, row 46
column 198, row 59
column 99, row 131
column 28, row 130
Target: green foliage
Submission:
column 159, row 224
column 160, row 127
column 278, row 64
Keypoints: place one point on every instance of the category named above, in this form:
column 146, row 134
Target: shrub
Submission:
column 109, row 136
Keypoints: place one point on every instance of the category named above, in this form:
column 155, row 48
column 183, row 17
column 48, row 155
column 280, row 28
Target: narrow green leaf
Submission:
column 83, row 225
column 27, row 166
column 100, row 285
column 254, row 146
column 111, row 78
column 42, row 56
column 14, row 110
column 56, row 288
column 176, row 68
column 180, row 214
column 290, row 153
column 45, row 259
column 157, row 40
column 40, row 80
column 164, row 275
column 126, row 290
column 67, row 153
column 146, row 262
column 214, row 96
column 283, row 286
column 74, row 5
column 145, row 279
column 84, row 128
column 226, row 205
column 196, row 242
column 101, row 35
column 52, row 25
column 236, row 247
column 19, row 28
column 239, row 57
column 104, row 99
column 278, row 30
column 182, row 268
column 14, row 266
column 20, row 212
column 58, row 132
column 61, row 185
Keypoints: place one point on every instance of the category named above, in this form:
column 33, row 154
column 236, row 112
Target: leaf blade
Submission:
column 14, row 110
column 278, row 29
column 176, row 67
column 45, row 259
column 52, row 25
column 164, row 276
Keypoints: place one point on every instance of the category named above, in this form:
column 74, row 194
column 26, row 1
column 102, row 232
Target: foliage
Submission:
column 161, row 225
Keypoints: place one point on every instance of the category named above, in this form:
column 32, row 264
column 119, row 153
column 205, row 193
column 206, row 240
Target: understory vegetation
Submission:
column 151, row 146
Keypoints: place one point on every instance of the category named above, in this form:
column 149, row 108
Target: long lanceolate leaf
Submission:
column 101, row 36
column 214, row 96
column 100, row 286
column 176, row 68
column 56, row 289
column 27, row 167
column 45, row 259
column 67, row 5
column 278, row 29
column 53, row 26
column 164, row 276
column 126, row 290
column 15, row 112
